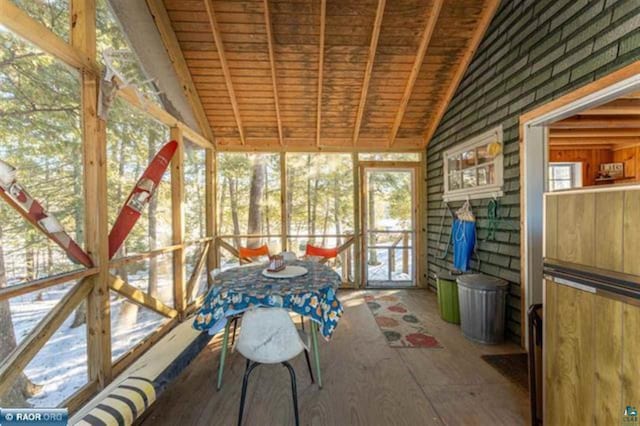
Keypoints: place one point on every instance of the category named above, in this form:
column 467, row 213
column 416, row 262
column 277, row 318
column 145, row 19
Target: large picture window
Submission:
column 473, row 169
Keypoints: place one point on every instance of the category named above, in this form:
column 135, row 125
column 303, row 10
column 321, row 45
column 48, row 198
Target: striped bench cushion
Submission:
column 127, row 397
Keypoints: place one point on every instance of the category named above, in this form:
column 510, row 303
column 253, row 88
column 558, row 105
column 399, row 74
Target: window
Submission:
column 473, row 169
column 565, row 176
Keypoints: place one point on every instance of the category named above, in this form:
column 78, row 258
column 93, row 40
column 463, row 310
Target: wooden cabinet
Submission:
column 591, row 357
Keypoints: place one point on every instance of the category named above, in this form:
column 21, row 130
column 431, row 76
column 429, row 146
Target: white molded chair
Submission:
column 268, row 336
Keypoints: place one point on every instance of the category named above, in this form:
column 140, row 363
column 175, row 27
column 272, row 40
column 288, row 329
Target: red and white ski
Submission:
column 33, row 211
column 140, row 196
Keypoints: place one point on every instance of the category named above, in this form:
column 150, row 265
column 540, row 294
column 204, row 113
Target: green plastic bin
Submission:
column 448, row 298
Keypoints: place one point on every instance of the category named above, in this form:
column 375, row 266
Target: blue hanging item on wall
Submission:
column 464, row 237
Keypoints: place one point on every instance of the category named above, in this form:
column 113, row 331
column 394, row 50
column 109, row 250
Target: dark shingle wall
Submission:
column 533, row 52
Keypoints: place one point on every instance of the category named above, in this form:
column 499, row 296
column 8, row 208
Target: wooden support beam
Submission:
column 41, row 284
column 594, row 141
column 323, row 19
column 19, row 22
column 177, row 222
column 210, row 208
column 140, row 297
column 197, row 271
column 170, row 41
column 594, row 133
column 617, row 107
column 272, row 63
column 284, row 188
column 137, row 257
column 23, row 353
column 489, row 10
column 217, row 37
column 373, row 47
column 83, row 39
column 195, row 137
column 598, row 122
column 357, row 224
column 415, row 69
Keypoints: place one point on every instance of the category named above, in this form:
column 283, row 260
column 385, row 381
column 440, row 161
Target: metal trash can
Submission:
column 482, row 307
column 448, row 304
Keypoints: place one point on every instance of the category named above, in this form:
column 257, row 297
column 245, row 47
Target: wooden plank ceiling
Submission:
column 613, row 125
column 370, row 74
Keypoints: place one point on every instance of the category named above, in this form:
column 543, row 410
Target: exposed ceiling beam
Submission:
column 373, row 47
column 617, row 107
column 225, row 67
column 490, row 9
column 594, row 133
column 163, row 23
column 597, row 122
column 272, row 61
column 593, row 141
column 415, row 69
column 564, row 146
column 323, row 18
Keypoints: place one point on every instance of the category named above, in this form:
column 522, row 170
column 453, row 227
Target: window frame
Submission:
column 480, row 191
column 575, row 170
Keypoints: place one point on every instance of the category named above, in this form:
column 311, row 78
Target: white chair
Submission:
column 268, row 336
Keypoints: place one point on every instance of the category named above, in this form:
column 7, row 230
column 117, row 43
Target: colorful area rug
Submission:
column 401, row 328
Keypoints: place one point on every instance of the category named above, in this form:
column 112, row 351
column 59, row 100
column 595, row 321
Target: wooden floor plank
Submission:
column 365, row 381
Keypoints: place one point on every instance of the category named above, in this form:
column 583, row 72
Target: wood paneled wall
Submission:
column 591, row 362
column 631, row 158
column 590, row 157
column 600, row 229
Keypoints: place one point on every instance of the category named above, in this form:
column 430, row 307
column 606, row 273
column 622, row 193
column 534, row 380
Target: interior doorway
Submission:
column 389, row 209
column 536, row 128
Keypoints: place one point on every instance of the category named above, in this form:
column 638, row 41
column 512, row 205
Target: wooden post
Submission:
column 177, row 222
column 284, row 227
column 405, row 253
column 211, row 215
column 357, row 226
column 83, row 38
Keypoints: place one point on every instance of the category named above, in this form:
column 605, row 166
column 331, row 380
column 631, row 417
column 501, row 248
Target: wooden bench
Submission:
column 136, row 389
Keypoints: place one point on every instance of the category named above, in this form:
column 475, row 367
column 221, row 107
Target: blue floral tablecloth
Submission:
column 312, row 295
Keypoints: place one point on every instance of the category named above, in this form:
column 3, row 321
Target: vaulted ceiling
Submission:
column 615, row 124
column 370, row 74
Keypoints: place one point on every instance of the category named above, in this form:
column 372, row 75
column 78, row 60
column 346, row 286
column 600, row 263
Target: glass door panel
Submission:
column 389, row 220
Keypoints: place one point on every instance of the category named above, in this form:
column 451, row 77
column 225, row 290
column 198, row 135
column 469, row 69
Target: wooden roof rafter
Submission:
column 272, row 61
column 489, row 10
column 170, row 41
column 373, row 47
column 323, row 19
column 217, row 37
column 415, row 69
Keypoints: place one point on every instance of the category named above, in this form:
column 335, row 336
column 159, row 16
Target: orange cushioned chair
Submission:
column 327, row 253
column 250, row 253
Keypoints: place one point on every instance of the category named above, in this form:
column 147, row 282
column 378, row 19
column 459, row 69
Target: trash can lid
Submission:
column 481, row 282
column 447, row 276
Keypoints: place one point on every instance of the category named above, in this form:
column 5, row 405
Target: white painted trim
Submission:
column 478, row 192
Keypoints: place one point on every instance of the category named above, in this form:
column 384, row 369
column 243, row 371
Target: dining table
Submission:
column 313, row 295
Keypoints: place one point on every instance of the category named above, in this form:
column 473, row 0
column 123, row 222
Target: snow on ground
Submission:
column 61, row 365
